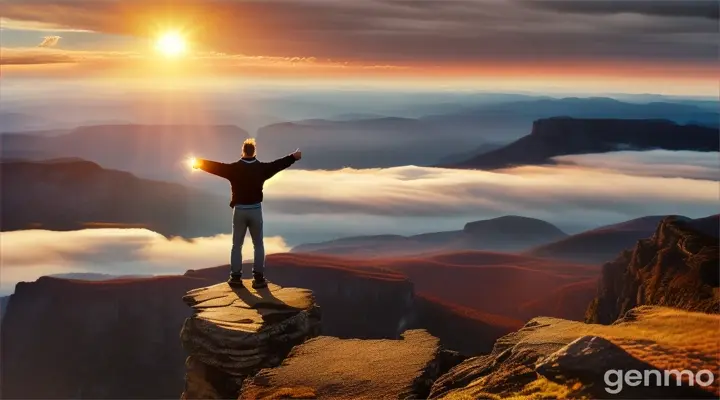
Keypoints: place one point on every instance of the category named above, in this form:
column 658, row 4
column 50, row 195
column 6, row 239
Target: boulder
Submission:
column 235, row 332
column 555, row 358
column 328, row 367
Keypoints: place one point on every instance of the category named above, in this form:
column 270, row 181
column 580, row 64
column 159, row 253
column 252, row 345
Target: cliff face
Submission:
column 555, row 358
column 459, row 328
column 676, row 267
column 234, row 332
column 74, row 339
column 119, row 338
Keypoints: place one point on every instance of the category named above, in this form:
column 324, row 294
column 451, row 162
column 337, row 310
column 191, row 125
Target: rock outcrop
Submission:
column 555, row 358
column 676, row 267
column 557, row 136
column 332, row 368
column 362, row 303
column 234, row 332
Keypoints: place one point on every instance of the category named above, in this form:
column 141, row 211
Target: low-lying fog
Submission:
column 581, row 192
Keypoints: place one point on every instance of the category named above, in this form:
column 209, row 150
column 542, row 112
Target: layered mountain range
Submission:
column 70, row 194
column 158, row 151
column 150, row 151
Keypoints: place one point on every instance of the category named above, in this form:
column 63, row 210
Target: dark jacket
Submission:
column 246, row 176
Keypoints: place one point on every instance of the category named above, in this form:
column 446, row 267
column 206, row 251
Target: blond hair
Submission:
column 248, row 148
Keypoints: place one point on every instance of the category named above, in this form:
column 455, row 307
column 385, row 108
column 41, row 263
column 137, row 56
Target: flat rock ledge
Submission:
column 331, row 368
column 235, row 332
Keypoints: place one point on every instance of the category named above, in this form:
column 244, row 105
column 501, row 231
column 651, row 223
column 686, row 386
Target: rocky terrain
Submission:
column 332, row 368
column 555, row 358
column 119, row 338
column 86, row 195
column 676, row 267
column 234, row 332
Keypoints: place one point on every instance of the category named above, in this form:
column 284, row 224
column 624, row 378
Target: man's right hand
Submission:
column 297, row 154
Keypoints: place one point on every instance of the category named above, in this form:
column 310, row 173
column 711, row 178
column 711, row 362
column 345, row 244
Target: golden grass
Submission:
column 663, row 337
column 297, row 392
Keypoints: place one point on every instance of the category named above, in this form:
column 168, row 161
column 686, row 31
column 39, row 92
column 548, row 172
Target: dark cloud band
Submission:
column 708, row 9
column 405, row 32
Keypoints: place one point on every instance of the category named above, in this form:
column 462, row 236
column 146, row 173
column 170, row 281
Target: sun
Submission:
column 171, row 44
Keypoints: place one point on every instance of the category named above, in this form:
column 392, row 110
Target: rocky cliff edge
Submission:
column 555, row 358
column 235, row 332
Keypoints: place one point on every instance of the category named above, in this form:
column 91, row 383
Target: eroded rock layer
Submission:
column 234, row 332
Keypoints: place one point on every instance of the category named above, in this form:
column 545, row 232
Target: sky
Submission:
column 629, row 46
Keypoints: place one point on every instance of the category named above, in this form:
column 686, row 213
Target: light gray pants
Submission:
column 247, row 219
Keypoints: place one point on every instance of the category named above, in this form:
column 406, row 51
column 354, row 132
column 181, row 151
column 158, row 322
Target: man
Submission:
column 247, row 177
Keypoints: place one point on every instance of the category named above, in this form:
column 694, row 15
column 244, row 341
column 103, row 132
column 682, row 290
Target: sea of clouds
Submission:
column 578, row 193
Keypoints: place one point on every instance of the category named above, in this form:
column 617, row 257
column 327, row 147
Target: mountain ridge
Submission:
column 559, row 136
column 86, row 195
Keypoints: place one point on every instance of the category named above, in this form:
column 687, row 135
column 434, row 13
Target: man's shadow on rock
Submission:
column 270, row 308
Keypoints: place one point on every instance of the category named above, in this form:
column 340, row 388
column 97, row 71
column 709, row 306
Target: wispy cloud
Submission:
column 35, row 56
column 27, row 255
column 658, row 163
column 11, row 24
column 137, row 64
column 50, row 41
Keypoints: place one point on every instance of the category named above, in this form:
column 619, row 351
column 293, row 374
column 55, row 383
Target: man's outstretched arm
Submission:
column 216, row 168
column 280, row 164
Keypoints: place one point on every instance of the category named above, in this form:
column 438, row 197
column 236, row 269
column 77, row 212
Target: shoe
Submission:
column 259, row 281
column 235, row 281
